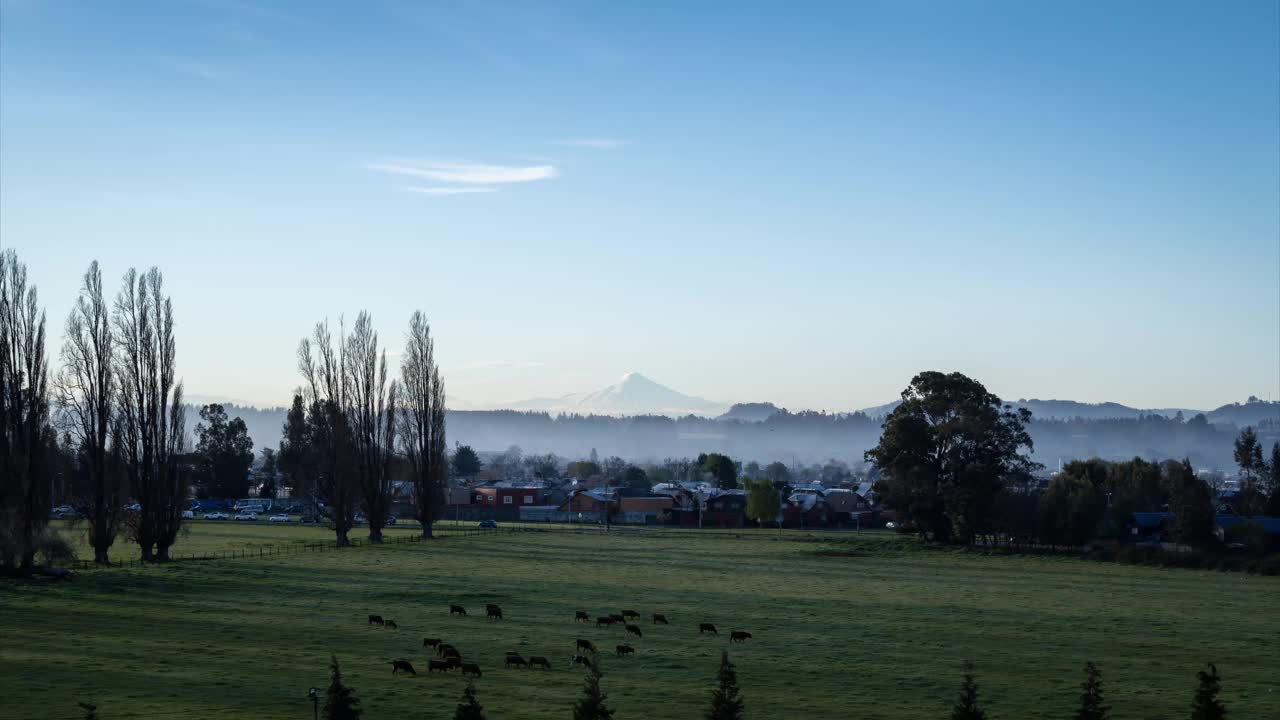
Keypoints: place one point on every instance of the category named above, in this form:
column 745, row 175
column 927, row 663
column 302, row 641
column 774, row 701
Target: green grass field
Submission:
column 845, row 627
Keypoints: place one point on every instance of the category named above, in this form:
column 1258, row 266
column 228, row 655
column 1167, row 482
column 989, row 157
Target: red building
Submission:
column 508, row 497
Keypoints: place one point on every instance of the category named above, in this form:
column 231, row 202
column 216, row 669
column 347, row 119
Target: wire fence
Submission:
column 445, row 531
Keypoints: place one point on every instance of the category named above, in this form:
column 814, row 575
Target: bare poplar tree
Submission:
column 371, row 411
column 328, row 432
column 25, row 433
column 422, row 423
column 85, row 389
column 152, row 416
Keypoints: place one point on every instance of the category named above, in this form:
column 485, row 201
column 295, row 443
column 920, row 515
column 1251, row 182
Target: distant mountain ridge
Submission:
column 1250, row 412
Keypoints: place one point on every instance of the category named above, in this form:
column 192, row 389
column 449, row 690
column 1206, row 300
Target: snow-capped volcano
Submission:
column 634, row 394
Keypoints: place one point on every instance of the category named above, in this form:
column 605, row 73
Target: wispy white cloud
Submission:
column 449, row 190
column 468, row 173
column 593, row 143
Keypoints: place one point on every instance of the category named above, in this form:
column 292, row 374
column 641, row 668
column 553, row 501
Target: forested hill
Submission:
column 804, row 436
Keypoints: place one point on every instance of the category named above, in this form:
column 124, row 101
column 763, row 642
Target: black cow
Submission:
column 402, row 666
column 493, row 612
column 660, row 619
column 430, row 642
column 634, row 630
column 438, row 666
column 707, row 628
column 539, row 661
column 581, row 616
column 739, row 636
column 391, row 625
column 375, row 619
column 514, row 659
column 457, row 610
column 470, row 669
column 586, row 645
column 624, row 649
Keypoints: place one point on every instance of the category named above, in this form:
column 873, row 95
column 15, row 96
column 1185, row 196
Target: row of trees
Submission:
column 352, row 425
column 109, row 423
column 954, row 464
column 1205, row 704
column 726, row 702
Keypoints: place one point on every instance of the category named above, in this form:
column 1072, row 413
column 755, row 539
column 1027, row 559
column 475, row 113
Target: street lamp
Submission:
column 315, row 703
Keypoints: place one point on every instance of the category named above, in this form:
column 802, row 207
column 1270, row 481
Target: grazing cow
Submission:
column 634, row 630
column 586, row 645
column 438, row 666
column 453, row 661
column 582, row 660
column 391, row 625
column 624, row 649
column 493, row 612
column 444, row 649
column 581, row 616
column 430, row 642
column 457, row 610
column 602, row 620
column 739, row 636
column 617, row 618
column 660, row 619
column 514, row 659
column 402, row 666
column 470, row 669
column 539, row 661
column 707, row 628
column 630, row 614
column 375, row 619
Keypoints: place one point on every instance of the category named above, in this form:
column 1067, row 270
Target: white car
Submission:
column 188, row 514
column 215, row 516
column 246, row 515
column 278, row 519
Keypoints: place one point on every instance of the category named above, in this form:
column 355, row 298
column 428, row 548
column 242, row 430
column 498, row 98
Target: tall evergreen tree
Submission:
column 966, row 707
column 1091, row 706
column 340, row 702
column 591, row 706
column 725, row 702
column 1205, row 705
column 469, row 707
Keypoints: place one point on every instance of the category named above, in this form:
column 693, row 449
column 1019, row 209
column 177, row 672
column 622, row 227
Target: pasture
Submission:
column 866, row 626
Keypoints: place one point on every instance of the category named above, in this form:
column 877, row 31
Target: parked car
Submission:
column 215, row 516
column 63, row 509
column 188, row 514
column 308, row 519
column 133, row 507
column 489, row 524
column 278, row 519
column 246, row 515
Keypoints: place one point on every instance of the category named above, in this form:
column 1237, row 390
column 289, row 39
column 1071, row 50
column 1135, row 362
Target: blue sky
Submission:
column 802, row 203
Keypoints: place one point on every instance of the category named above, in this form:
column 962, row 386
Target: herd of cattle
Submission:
column 448, row 657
